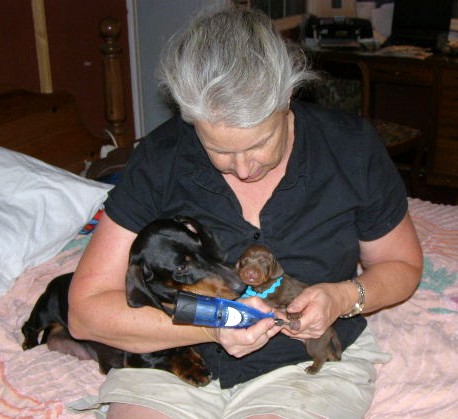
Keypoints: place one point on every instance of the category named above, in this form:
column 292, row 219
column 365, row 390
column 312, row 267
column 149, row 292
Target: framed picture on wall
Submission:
column 454, row 21
column 327, row 8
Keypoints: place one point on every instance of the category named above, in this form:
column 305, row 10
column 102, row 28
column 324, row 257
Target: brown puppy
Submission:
column 259, row 269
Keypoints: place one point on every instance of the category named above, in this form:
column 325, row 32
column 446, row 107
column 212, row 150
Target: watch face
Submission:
column 357, row 309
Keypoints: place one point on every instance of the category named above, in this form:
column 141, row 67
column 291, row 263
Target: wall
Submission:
column 331, row 7
column 18, row 59
column 74, row 48
column 151, row 24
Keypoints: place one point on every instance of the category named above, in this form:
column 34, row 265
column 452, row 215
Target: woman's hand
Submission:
column 319, row 306
column 241, row 342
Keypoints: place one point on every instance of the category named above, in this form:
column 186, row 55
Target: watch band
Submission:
column 358, row 307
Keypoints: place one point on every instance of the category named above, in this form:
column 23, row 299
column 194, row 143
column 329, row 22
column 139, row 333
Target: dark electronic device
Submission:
column 421, row 23
column 337, row 31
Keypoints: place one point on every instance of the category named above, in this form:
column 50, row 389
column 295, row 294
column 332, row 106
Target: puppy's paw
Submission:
column 293, row 316
column 312, row 369
column 295, row 325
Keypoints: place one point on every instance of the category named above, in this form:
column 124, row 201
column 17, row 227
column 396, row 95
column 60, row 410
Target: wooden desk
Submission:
column 420, row 93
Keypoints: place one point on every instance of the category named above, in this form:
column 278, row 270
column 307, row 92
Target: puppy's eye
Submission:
column 245, row 262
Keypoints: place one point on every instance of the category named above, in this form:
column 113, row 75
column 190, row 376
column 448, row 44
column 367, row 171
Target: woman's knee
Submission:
column 129, row 411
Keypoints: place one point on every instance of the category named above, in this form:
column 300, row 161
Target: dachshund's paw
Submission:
column 197, row 376
column 27, row 345
column 29, row 341
column 191, row 369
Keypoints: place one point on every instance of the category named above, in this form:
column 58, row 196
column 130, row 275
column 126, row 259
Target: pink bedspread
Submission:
column 421, row 334
column 39, row 383
column 421, row 381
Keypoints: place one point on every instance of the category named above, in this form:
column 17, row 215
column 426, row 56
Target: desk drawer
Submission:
column 449, row 78
column 446, row 159
column 448, row 134
column 448, row 107
column 409, row 74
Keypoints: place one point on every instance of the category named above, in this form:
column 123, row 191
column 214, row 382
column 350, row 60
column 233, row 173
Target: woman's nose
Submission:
column 241, row 165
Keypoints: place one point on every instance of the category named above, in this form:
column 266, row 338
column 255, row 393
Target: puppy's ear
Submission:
column 276, row 269
column 137, row 292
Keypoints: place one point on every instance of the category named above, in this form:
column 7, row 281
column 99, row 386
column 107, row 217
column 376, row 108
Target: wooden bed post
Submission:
column 115, row 109
column 42, row 46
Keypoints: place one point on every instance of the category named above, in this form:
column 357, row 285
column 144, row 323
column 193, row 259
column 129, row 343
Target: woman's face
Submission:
column 247, row 153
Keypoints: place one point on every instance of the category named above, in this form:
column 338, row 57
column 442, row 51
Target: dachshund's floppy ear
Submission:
column 190, row 223
column 137, row 292
column 206, row 237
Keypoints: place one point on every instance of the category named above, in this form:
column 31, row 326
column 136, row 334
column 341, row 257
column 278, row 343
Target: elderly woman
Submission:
column 316, row 186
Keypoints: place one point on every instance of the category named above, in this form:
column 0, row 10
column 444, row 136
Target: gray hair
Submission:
column 231, row 66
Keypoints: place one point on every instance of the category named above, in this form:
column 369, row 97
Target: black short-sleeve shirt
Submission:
column 340, row 188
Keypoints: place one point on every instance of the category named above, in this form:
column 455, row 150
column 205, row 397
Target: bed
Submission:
column 49, row 126
column 421, row 334
column 43, row 209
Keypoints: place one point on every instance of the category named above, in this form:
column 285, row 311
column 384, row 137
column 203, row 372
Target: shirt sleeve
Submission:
column 384, row 203
column 131, row 202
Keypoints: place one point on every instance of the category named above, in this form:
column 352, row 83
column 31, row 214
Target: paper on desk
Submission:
column 408, row 51
column 382, row 17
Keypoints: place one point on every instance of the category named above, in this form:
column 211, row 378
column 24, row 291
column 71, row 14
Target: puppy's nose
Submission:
column 249, row 274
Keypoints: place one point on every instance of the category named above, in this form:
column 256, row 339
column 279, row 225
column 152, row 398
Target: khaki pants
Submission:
column 340, row 390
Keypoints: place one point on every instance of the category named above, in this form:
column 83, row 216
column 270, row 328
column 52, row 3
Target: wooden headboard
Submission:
column 48, row 126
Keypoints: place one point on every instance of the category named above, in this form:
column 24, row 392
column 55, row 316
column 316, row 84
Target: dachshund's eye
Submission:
column 184, row 265
column 181, row 269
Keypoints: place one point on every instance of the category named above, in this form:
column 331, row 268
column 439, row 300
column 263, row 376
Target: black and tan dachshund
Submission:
column 258, row 268
column 167, row 256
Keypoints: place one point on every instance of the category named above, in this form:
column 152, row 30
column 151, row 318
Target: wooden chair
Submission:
column 405, row 144
column 400, row 140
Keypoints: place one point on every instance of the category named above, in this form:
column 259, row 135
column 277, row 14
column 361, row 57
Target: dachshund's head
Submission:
column 257, row 265
column 169, row 255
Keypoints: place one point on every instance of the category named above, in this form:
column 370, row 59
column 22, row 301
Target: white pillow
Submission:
column 42, row 208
